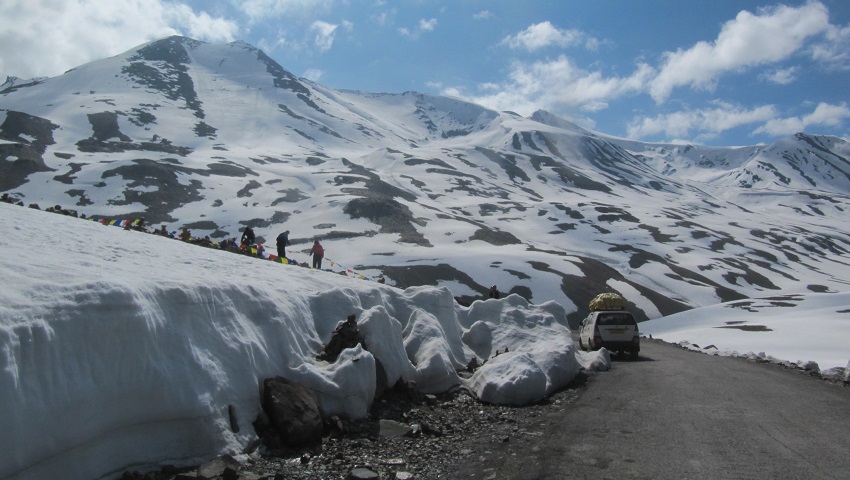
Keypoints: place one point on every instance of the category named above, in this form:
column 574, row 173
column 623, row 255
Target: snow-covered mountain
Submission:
column 217, row 137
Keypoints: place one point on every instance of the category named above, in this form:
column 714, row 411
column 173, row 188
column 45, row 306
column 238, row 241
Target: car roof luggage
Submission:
column 607, row 301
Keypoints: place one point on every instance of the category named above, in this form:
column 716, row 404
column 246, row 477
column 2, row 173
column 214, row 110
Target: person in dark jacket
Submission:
column 494, row 292
column 247, row 237
column 282, row 243
column 318, row 253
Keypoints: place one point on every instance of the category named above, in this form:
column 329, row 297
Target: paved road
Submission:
column 675, row 414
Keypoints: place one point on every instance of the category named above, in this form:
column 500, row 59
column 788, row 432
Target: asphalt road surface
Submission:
column 676, row 414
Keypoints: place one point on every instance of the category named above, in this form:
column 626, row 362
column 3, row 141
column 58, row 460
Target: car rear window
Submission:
column 616, row 318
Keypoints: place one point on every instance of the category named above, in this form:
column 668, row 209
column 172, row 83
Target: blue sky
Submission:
column 716, row 73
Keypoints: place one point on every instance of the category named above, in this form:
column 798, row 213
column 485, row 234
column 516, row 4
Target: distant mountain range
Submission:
column 426, row 189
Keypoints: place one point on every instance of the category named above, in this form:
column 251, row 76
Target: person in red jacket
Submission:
column 318, row 254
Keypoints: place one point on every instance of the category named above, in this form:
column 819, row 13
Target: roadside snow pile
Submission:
column 121, row 349
column 806, row 331
column 595, row 361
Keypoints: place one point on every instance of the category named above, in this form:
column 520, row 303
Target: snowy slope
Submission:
column 793, row 328
column 424, row 189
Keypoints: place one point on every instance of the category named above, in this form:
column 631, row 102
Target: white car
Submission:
column 615, row 330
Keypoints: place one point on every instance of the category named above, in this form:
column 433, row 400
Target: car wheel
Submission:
column 633, row 354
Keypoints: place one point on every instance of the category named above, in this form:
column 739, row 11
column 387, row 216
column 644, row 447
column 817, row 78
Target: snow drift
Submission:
column 124, row 350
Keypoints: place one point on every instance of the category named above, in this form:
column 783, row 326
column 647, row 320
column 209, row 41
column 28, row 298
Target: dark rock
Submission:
column 362, row 474
column 393, row 429
column 230, row 474
column 292, row 411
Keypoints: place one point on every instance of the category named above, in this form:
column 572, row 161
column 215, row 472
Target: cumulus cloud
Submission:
column 554, row 85
column 544, row 34
column 700, row 122
column 427, row 25
column 750, row 39
column 324, row 33
column 823, row 115
column 46, row 38
column 834, row 51
column 783, row 76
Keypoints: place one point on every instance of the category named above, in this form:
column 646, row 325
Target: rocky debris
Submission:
column 442, row 433
column 810, row 366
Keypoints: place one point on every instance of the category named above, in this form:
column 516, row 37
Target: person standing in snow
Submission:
column 494, row 292
column 247, row 237
column 318, row 253
column 282, row 243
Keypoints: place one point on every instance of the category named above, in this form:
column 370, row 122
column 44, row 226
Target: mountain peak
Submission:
column 13, row 83
column 548, row 118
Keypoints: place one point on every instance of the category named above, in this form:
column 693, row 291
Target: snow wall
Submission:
column 112, row 362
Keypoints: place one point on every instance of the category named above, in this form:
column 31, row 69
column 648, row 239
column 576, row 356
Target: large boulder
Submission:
column 293, row 412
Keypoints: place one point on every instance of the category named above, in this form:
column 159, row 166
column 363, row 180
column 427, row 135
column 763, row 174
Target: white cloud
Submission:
column 701, row 122
column 544, row 34
column 784, row 76
column 834, row 51
column 200, row 25
column 555, row 85
column 313, row 74
column 324, row 35
column 823, row 115
column 423, row 26
column 427, row 25
column 279, row 42
column 384, row 17
column 47, row 37
column 770, row 36
column 482, row 15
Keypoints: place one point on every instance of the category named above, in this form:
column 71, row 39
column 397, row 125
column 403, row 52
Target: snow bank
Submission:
column 595, row 361
column 796, row 328
column 122, row 350
column 537, row 354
